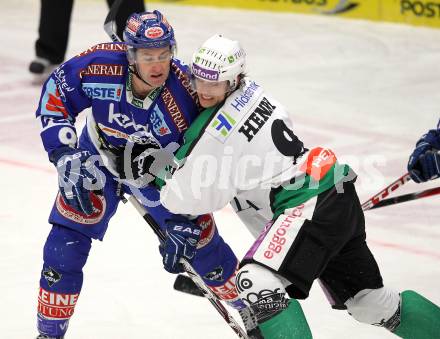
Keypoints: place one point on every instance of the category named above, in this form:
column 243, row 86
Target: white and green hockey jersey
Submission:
column 246, row 152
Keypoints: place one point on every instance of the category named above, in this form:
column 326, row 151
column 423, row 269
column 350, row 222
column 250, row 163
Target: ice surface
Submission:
column 367, row 90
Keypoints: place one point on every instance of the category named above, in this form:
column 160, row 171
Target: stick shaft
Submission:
column 192, row 273
column 375, row 199
column 407, row 197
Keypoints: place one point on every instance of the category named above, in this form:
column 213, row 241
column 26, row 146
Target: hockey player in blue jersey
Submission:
column 141, row 102
column 424, row 162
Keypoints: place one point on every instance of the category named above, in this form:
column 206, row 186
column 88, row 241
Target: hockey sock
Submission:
column 288, row 324
column 419, row 319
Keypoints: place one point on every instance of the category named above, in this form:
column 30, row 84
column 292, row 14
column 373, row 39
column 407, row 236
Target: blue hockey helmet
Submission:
column 149, row 30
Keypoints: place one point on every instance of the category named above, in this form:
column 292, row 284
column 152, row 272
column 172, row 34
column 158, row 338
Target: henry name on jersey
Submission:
column 248, row 150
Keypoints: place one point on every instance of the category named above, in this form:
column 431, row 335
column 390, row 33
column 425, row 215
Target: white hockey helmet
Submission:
column 219, row 59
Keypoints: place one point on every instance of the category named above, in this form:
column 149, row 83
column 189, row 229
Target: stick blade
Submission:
column 185, row 284
column 110, row 21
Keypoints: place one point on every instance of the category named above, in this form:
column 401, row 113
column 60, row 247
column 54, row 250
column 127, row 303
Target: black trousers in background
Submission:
column 55, row 22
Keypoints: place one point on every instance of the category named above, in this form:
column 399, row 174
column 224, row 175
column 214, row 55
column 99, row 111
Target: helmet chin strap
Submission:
column 133, row 69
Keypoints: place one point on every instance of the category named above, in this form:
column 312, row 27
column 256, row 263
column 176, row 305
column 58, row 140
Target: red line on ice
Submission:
column 25, row 165
column 405, row 248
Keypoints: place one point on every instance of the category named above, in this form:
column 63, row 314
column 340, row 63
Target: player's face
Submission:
column 153, row 64
column 211, row 93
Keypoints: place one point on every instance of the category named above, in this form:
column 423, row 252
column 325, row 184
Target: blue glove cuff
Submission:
column 430, row 140
column 57, row 153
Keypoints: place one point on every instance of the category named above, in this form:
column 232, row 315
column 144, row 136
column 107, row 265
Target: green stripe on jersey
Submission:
column 190, row 137
column 305, row 188
column 195, row 131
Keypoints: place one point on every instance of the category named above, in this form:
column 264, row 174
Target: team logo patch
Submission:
column 51, row 103
column 319, row 162
column 103, row 91
column 174, row 111
column 206, row 222
column 275, row 241
column 103, row 70
column 51, row 276
column 107, row 46
column 228, row 290
column 133, row 25
column 154, row 32
column 266, row 303
column 245, row 97
column 204, row 73
column 99, row 206
column 223, row 123
column 148, row 16
column 158, row 122
column 56, row 305
column 215, row 275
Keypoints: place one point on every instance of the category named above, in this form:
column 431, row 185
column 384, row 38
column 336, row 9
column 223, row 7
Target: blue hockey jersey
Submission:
column 99, row 79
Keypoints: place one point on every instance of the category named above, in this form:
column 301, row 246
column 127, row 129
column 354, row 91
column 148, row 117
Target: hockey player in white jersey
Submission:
column 300, row 203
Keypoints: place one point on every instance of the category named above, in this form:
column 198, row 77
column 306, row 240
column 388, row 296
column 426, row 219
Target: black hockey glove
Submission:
column 134, row 160
column 142, row 161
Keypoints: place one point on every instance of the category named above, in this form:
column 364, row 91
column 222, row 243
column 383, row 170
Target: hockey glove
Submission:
column 134, row 161
column 181, row 241
column 424, row 162
column 143, row 161
column 77, row 177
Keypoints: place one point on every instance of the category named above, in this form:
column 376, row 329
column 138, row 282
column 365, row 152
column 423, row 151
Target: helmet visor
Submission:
column 210, row 88
column 150, row 56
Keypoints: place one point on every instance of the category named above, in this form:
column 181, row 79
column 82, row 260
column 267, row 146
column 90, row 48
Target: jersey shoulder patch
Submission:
column 235, row 109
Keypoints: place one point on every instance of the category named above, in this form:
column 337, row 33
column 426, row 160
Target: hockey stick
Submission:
column 183, row 283
column 191, row 272
column 407, row 197
column 110, row 21
column 186, row 285
column 375, row 199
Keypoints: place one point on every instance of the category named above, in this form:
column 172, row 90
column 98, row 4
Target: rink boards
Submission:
column 413, row 12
